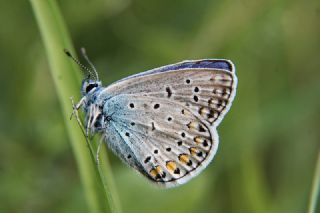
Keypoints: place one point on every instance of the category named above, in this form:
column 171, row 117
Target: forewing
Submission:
column 190, row 64
column 205, row 90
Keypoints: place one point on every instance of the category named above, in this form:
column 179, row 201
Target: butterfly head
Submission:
column 92, row 82
column 89, row 86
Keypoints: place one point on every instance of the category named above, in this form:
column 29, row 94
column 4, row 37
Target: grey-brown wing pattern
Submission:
column 167, row 121
column 206, row 92
column 166, row 141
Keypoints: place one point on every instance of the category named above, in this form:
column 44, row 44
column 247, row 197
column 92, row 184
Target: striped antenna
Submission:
column 83, row 68
column 84, row 54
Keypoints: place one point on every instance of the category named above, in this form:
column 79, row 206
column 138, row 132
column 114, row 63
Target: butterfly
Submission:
column 162, row 122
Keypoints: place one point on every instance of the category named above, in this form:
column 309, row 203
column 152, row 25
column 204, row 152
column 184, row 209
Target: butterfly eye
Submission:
column 90, row 87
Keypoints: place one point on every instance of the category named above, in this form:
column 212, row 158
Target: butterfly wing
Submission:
column 164, row 123
column 190, row 64
column 166, row 142
column 207, row 87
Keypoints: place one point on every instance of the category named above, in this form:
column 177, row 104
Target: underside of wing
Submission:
column 165, row 119
column 164, row 141
column 189, row 64
column 205, row 90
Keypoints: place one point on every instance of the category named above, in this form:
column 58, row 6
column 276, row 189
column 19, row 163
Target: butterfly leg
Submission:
column 90, row 120
column 76, row 107
column 93, row 115
column 98, row 150
column 75, row 112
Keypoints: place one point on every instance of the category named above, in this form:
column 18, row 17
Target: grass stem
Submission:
column 67, row 83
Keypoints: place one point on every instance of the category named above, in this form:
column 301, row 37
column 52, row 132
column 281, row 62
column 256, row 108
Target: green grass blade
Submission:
column 315, row 190
column 67, row 81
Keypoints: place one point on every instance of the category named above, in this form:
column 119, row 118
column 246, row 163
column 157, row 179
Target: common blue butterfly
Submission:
column 161, row 122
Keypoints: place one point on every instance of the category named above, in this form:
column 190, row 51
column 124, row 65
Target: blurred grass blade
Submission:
column 315, row 190
column 67, row 81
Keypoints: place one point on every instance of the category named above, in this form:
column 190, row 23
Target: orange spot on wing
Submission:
column 193, row 151
column 171, row 166
column 184, row 158
column 158, row 169
column 153, row 173
column 193, row 125
column 198, row 139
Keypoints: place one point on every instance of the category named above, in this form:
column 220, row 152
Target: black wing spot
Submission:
column 147, row 159
column 164, row 174
column 195, row 98
column 131, row 105
column 205, row 143
column 133, row 123
column 168, row 149
column 176, row 171
column 183, row 134
column 196, row 89
column 156, row 106
column 155, row 151
column 188, row 81
column 129, row 156
column 152, row 128
column 127, row 134
column 108, row 118
column 201, row 129
column 169, row 119
column 168, row 90
column 179, row 143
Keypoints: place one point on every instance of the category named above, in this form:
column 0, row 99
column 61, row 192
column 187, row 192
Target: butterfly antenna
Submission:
column 83, row 68
column 84, row 54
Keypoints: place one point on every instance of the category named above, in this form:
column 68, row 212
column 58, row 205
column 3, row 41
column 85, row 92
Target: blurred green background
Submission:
column 269, row 141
